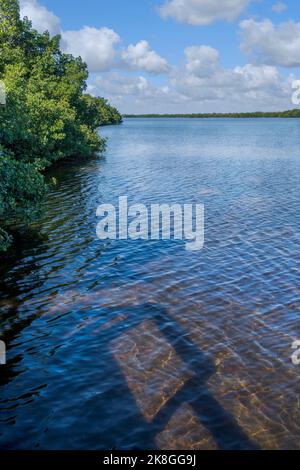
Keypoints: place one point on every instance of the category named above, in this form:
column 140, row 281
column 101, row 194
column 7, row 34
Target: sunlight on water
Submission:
column 153, row 371
column 134, row 344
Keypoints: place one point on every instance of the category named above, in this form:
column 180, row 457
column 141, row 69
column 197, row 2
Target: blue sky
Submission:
column 181, row 55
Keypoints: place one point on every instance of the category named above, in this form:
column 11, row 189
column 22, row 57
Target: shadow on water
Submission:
column 12, row 318
column 214, row 420
column 225, row 431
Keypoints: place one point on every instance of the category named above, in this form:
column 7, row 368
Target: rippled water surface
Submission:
column 135, row 344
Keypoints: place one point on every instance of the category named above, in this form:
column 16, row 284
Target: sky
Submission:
column 180, row 56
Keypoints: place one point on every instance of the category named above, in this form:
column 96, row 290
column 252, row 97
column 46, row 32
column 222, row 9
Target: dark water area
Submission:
column 142, row 344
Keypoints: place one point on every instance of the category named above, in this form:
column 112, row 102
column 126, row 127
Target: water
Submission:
column 135, row 344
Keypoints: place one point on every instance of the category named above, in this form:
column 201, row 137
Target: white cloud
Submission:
column 42, row 19
column 200, row 85
column 95, row 46
column 279, row 7
column 258, row 78
column 252, row 83
column 141, row 57
column 120, row 85
column 210, row 87
column 136, row 94
column 203, row 12
column 202, row 61
column 270, row 44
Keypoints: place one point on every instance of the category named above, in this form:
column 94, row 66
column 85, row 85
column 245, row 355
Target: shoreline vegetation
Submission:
column 291, row 113
column 47, row 116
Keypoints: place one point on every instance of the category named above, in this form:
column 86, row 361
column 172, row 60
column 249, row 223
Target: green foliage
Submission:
column 22, row 187
column 47, row 116
column 21, row 184
column 5, row 240
column 291, row 113
column 101, row 112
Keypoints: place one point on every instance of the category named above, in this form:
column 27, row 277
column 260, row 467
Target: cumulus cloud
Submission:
column 270, row 44
column 204, row 78
column 119, row 85
column 98, row 47
column 95, row 46
column 201, row 84
column 258, row 79
column 141, row 57
column 42, row 19
column 135, row 93
column 202, row 60
column 202, row 12
column 279, row 7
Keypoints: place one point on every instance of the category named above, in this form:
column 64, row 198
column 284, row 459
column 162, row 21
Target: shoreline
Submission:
column 292, row 113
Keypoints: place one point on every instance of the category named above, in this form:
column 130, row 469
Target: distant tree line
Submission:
column 292, row 113
column 47, row 115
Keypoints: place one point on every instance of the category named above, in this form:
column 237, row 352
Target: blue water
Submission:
column 142, row 344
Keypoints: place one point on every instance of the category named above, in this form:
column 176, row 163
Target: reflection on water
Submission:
column 142, row 344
